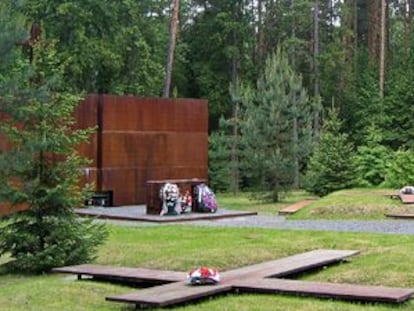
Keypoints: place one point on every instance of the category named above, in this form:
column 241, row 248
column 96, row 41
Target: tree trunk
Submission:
column 350, row 30
column 171, row 47
column 316, row 82
column 373, row 31
column 356, row 29
column 234, row 150
column 382, row 50
column 260, row 35
column 406, row 11
column 235, row 145
column 411, row 8
column 295, row 138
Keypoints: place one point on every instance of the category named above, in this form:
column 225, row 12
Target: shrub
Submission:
column 372, row 159
column 331, row 166
column 401, row 170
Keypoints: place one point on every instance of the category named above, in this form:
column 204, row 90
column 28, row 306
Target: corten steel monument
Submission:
column 140, row 139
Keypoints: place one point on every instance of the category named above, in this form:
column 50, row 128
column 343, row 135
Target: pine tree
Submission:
column 40, row 167
column 277, row 127
column 331, row 167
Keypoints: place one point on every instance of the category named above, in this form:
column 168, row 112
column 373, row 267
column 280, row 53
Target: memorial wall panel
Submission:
column 139, row 139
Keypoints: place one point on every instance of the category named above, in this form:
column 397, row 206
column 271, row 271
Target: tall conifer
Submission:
column 39, row 166
column 331, row 166
column 277, row 127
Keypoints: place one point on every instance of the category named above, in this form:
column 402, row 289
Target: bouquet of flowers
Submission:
column 203, row 276
column 169, row 195
column 186, row 202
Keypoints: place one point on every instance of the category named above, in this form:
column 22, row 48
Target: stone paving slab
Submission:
column 138, row 213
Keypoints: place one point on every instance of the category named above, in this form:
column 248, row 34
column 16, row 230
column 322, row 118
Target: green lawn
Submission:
column 354, row 204
column 243, row 202
column 365, row 204
column 384, row 260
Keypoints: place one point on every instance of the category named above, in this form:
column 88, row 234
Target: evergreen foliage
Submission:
column 372, row 159
column 119, row 47
column 277, row 127
column 331, row 166
column 226, row 172
column 116, row 47
column 401, row 170
column 399, row 108
column 219, row 154
column 40, row 167
column 220, row 51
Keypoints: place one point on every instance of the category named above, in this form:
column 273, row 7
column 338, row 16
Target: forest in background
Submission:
column 314, row 94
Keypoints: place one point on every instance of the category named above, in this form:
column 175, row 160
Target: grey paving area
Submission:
column 389, row 226
column 280, row 222
column 139, row 213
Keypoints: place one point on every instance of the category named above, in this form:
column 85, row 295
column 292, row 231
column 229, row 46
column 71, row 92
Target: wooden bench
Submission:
column 291, row 209
column 407, row 198
column 153, row 201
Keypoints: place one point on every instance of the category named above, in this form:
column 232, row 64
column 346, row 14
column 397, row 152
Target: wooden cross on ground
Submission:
column 265, row 277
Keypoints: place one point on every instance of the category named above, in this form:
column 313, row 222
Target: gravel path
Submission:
column 279, row 222
column 391, row 226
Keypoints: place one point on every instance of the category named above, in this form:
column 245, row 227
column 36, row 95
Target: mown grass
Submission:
column 244, row 202
column 363, row 204
column 384, row 260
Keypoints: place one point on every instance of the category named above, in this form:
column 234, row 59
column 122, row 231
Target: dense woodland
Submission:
column 314, row 94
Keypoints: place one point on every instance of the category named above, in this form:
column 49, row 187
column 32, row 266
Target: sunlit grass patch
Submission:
column 243, row 201
column 354, row 204
column 364, row 204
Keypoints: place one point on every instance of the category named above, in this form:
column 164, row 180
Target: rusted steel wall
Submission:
column 3, row 141
column 86, row 116
column 5, row 208
column 140, row 139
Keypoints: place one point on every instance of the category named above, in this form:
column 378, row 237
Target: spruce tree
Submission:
column 276, row 129
column 40, row 167
column 372, row 159
column 331, row 166
column 219, row 155
column 400, row 172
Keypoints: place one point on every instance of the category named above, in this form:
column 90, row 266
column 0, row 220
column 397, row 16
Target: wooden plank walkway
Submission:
column 175, row 293
column 291, row 265
column 171, row 294
column 123, row 273
column 326, row 290
column 291, row 209
column 258, row 278
column 400, row 215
